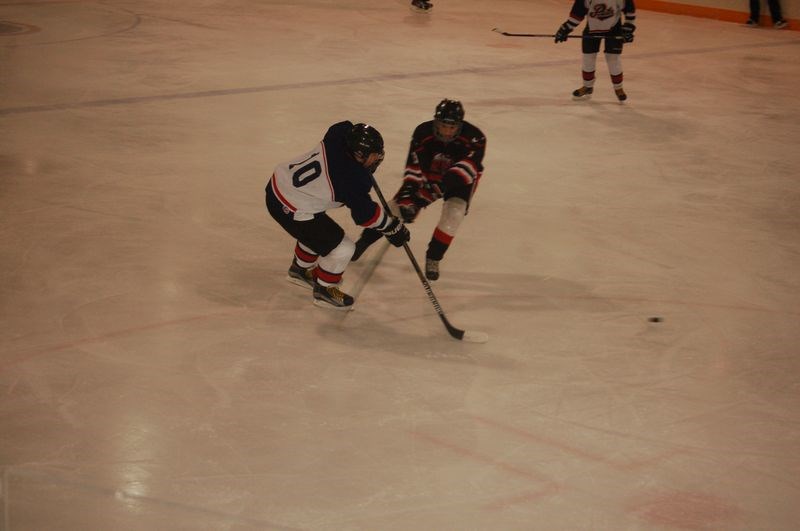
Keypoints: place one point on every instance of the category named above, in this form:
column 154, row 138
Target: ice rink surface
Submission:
column 158, row 372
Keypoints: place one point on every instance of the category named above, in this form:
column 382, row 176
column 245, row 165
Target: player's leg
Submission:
column 317, row 237
column 589, row 49
column 755, row 13
column 305, row 258
column 613, row 53
column 454, row 209
column 335, row 249
column 614, row 62
column 301, row 272
column 775, row 13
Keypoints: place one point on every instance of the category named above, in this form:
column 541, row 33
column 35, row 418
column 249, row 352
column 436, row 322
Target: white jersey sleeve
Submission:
column 304, row 186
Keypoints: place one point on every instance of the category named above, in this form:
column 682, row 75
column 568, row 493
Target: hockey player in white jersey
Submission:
column 336, row 172
column 612, row 21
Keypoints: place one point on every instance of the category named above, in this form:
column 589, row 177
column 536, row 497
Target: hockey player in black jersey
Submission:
column 445, row 160
column 605, row 22
column 336, row 172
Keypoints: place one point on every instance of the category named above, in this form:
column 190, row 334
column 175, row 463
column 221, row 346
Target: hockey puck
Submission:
column 655, row 319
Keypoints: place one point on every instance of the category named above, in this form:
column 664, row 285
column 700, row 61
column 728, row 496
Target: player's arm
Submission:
column 410, row 198
column 576, row 16
column 369, row 214
column 629, row 26
column 466, row 171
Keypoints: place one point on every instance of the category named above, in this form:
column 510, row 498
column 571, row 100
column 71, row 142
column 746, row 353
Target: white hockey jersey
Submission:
column 602, row 15
column 326, row 177
column 304, row 184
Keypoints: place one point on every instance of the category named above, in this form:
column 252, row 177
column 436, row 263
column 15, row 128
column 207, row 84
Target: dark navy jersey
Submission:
column 454, row 163
column 328, row 177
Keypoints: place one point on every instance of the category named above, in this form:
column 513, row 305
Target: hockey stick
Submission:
column 551, row 36
column 464, row 335
column 369, row 270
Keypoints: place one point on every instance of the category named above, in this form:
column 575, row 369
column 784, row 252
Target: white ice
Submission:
column 158, row 372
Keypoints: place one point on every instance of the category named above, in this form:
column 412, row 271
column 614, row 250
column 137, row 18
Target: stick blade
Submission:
column 473, row 336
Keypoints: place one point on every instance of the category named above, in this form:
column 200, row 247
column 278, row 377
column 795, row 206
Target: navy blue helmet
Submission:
column 362, row 141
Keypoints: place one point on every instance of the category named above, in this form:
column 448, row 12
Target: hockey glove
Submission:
column 406, row 200
column 396, row 233
column 409, row 212
column 407, row 192
column 627, row 31
column 562, row 32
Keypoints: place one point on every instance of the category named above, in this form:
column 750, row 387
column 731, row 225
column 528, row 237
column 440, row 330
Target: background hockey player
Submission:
column 445, row 160
column 338, row 171
column 421, row 6
column 604, row 21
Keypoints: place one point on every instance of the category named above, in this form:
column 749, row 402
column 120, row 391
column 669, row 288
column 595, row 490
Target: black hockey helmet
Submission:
column 363, row 139
column 448, row 113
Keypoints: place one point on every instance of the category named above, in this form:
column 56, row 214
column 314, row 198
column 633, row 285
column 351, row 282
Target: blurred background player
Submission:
column 422, row 6
column 774, row 11
column 336, row 172
column 445, row 160
column 605, row 21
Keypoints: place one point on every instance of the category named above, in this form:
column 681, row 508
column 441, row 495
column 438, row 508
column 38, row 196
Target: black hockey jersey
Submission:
column 454, row 163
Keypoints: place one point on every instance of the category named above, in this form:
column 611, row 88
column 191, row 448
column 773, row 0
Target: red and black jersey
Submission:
column 458, row 162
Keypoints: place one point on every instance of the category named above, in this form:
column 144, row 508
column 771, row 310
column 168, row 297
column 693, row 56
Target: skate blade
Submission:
column 324, row 304
column 298, row 282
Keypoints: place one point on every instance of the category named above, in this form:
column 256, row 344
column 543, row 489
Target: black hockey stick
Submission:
column 552, row 36
column 464, row 335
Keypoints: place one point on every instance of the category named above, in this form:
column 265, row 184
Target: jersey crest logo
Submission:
column 440, row 164
column 601, row 12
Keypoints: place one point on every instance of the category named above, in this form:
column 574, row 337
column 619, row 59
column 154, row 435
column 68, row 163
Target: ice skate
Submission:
column 621, row 96
column 301, row 276
column 421, row 6
column 583, row 93
column 431, row 269
column 332, row 297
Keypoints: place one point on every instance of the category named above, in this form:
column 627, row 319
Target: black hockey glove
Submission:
column 562, row 32
column 627, row 31
column 406, row 200
column 409, row 212
column 396, row 233
column 407, row 192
